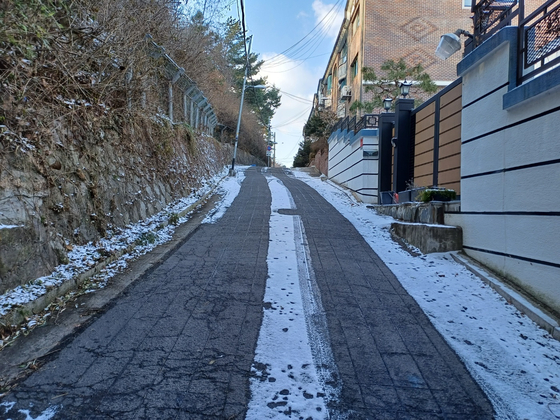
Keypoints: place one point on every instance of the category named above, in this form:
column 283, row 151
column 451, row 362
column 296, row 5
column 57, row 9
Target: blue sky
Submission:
column 277, row 25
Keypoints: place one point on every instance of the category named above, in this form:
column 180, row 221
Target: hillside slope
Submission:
column 84, row 148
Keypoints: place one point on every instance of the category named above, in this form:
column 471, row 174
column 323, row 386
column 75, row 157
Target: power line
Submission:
column 316, row 40
column 294, row 119
column 321, row 23
column 300, row 55
column 297, row 98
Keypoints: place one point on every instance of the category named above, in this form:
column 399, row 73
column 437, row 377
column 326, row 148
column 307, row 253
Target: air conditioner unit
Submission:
column 346, row 92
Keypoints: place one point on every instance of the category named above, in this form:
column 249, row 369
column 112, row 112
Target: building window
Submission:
column 356, row 21
column 344, row 54
column 329, row 85
column 467, row 4
column 354, row 68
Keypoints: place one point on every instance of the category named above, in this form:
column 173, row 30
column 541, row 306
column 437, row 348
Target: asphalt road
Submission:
column 179, row 342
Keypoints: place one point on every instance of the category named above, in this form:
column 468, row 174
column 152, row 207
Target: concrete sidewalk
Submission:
column 179, row 343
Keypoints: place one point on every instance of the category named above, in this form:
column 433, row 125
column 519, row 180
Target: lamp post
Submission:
column 405, row 88
column 232, row 170
column 245, row 87
column 387, row 104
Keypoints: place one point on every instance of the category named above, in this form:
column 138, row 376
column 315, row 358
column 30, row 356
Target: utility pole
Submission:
column 232, row 170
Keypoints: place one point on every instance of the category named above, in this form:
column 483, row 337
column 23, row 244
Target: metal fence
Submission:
column 489, row 16
column 540, row 40
column 355, row 125
column 196, row 110
column 539, row 32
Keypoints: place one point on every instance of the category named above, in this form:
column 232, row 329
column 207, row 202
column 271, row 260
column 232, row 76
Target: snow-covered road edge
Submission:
column 97, row 263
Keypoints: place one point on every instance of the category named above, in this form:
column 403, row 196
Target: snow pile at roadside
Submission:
column 228, row 189
column 139, row 238
column 514, row 361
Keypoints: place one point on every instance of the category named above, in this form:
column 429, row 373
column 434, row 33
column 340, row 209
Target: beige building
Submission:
column 374, row 31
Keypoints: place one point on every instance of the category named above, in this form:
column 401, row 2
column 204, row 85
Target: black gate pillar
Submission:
column 386, row 126
column 403, row 172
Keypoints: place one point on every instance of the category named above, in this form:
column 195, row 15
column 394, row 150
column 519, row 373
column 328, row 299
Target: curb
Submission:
column 522, row 303
column 16, row 316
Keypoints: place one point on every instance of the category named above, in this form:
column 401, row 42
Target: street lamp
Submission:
column 387, row 104
column 405, row 88
column 450, row 43
column 232, row 170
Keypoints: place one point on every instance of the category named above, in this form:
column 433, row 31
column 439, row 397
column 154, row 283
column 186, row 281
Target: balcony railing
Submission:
column 540, row 40
column 354, row 124
column 491, row 15
column 539, row 32
column 342, row 70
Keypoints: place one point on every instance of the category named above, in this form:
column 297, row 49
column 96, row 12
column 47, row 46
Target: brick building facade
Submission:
column 374, row 31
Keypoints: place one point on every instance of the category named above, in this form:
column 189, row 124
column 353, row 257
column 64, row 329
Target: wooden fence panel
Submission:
column 439, row 151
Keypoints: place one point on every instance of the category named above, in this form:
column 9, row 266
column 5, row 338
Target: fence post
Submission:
column 191, row 93
column 170, row 98
column 192, row 114
column 435, row 176
column 386, row 128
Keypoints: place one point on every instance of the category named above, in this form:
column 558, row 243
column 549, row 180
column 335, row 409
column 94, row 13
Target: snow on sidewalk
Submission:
column 515, row 362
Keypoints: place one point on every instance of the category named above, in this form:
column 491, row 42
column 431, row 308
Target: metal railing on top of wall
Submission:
column 489, row 16
column 539, row 32
column 196, row 109
column 354, row 124
column 539, row 41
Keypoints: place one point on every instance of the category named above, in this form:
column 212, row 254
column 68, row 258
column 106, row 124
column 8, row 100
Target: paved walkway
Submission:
column 180, row 342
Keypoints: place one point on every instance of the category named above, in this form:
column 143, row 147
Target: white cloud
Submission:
column 332, row 18
column 298, row 80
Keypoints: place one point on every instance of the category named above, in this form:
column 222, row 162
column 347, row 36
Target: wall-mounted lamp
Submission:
column 405, row 88
column 387, row 104
column 450, row 43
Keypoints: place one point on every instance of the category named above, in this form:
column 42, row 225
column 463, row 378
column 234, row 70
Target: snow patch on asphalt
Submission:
column 48, row 414
column 285, row 382
column 513, row 360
